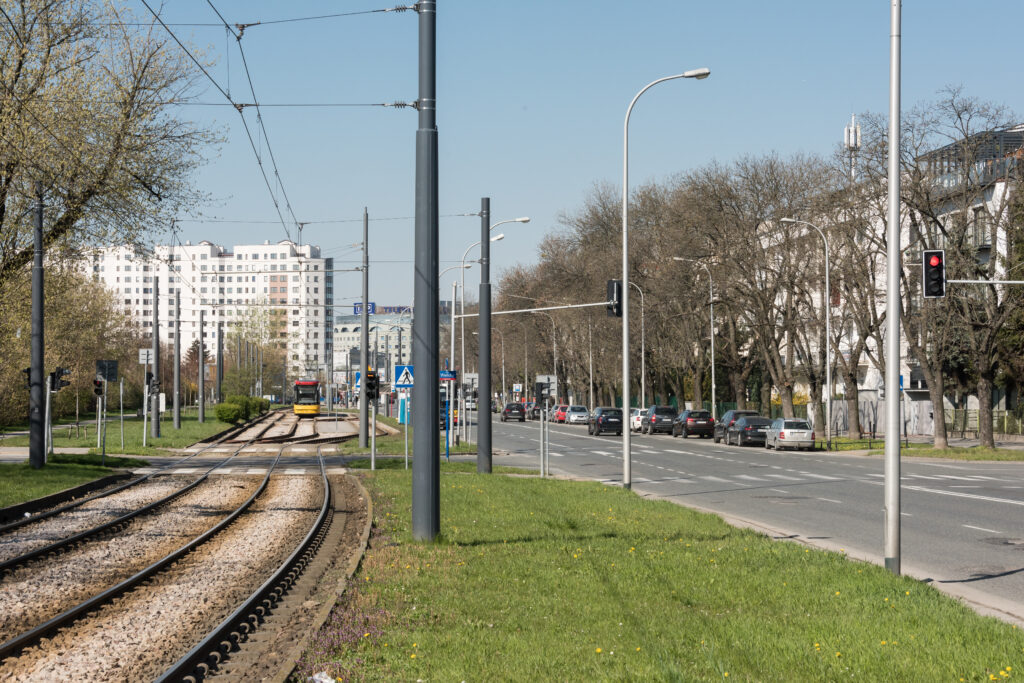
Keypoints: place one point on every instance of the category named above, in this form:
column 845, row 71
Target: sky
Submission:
column 531, row 101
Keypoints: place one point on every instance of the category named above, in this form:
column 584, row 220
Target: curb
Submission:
column 284, row 674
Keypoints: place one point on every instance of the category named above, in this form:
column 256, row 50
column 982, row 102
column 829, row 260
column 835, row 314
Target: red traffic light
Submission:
column 935, row 260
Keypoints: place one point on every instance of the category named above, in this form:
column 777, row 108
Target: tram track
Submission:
column 233, row 558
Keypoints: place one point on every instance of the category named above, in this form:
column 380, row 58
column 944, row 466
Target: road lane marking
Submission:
column 557, row 455
column 717, row 479
column 978, row 528
column 749, row 478
column 779, row 491
column 783, row 476
column 600, row 452
column 960, row 494
column 820, row 476
column 830, row 500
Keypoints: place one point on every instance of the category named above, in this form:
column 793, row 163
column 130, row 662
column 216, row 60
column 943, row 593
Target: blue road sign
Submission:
column 357, row 379
column 404, row 375
column 448, row 375
column 371, row 308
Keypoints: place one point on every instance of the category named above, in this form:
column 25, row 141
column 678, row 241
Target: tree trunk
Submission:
column 935, row 393
column 814, row 411
column 786, row 392
column 766, row 393
column 739, row 389
column 985, row 383
column 698, row 386
column 852, row 404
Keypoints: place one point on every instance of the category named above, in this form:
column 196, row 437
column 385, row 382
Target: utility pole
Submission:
column 364, row 331
column 892, row 334
column 154, row 410
column 426, row 474
column 202, row 369
column 36, row 427
column 177, row 357
column 483, row 450
column 220, row 359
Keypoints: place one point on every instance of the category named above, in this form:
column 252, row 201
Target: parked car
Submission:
column 659, row 419
column 605, row 420
column 748, row 429
column 787, row 432
column 494, row 405
column 636, row 418
column 697, row 422
column 513, row 411
column 727, row 420
column 577, row 415
column 560, row 414
column 533, row 410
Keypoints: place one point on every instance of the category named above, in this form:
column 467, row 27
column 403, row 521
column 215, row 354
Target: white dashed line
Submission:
column 830, row 500
column 978, row 528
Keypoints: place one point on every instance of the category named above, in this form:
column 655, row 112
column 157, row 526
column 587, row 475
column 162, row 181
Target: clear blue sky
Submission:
column 531, row 100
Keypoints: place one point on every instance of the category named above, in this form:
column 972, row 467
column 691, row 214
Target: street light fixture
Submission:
column 711, row 299
column 827, row 305
column 699, row 74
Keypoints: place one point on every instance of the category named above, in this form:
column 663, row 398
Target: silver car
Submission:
column 636, row 418
column 788, row 432
column 577, row 415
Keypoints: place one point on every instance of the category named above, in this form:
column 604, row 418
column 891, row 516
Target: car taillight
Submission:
column 812, row 436
column 782, row 435
column 746, row 429
column 689, row 419
column 653, row 418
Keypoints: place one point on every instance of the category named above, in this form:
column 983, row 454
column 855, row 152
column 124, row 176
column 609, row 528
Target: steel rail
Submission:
column 64, row 508
column 18, row 643
column 66, row 543
column 217, row 645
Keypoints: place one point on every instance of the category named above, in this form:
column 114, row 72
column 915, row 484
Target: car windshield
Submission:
column 665, row 410
column 578, row 409
column 795, row 424
column 512, row 406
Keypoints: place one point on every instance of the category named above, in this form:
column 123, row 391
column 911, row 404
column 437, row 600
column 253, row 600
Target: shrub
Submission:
column 264, row 404
column 228, row 412
column 243, row 403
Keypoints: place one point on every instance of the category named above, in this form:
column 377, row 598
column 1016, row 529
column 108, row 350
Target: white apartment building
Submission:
column 289, row 282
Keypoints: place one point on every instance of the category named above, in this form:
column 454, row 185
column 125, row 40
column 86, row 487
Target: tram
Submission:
column 307, row 397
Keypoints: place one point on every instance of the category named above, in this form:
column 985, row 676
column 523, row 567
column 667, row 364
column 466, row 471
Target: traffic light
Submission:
column 51, row 382
column 934, row 274
column 614, row 298
column 61, row 382
column 28, row 377
column 372, row 385
column 97, row 387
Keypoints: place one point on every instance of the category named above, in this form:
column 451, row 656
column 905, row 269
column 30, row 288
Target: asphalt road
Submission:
column 961, row 521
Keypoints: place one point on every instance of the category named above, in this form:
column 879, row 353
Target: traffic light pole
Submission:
column 364, row 330
column 154, row 411
column 177, row 359
column 202, row 370
column 36, row 419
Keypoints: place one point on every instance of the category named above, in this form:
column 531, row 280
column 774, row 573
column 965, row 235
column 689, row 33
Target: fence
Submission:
column 963, row 422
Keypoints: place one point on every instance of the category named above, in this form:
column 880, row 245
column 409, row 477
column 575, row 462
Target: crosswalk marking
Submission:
column 783, row 476
column 749, row 478
column 718, row 479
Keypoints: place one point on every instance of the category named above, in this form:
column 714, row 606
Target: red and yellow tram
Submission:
column 307, row 397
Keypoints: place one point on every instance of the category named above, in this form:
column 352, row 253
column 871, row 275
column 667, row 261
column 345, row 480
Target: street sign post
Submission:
column 106, row 370
column 145, row 356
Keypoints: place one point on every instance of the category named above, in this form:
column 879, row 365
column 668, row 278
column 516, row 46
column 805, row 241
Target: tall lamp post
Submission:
column 695, row 73
column 463, row 429
column 826, row 300
column 643, row 348
column 711, row 299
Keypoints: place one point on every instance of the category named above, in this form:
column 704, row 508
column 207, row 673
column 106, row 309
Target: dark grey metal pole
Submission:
column 177, row 358
column 36, row 397
column 483, row 396
column 202, row 370
column 220, row 360
column 155, row 406
column 364, row 332
column 426, row 474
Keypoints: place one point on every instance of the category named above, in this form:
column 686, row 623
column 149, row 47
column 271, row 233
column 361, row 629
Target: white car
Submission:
column 577, row 415
column 789, row 433
column 636, row 418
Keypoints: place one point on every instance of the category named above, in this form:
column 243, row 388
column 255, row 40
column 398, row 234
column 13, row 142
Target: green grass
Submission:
column 842, row 443
column 544, row 580
column 973, row 453
column 191, row 431
column 393, row 463
column 395, row 445
column 20, row 483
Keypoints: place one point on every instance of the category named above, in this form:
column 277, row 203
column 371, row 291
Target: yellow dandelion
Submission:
column 597, row 650
column 366, row 635
column 412, row 656
column 839, row 654
column 907, row 593
column 837, row 592
column 414, row 644
column 638, row 649
column 883, row 642
column 725, row 675
column 817, row 645
column 887, row 599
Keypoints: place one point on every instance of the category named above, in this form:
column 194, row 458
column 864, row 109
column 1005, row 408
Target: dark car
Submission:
column 605, row 420
column 697, row 422
column 728, row 419
column 513, row 411
column 748, row 429
column 658, row 419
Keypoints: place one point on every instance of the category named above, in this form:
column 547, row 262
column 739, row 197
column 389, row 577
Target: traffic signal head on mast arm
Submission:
column 933, row 273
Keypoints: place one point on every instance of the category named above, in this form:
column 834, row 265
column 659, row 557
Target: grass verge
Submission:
column 973, row 453
column 20, row 483
column 392, row 463
column 536, row 579
column 191, row 431
column 395, row 445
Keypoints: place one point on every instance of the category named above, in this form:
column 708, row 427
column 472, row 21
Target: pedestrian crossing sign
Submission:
column 404, row 375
